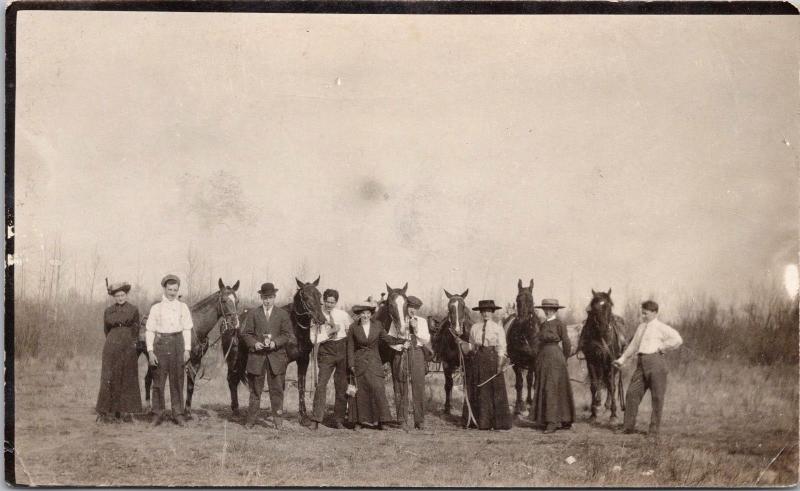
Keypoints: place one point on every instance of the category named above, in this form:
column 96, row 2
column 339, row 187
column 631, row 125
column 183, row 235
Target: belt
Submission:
column 487, row 348
column 162, row 334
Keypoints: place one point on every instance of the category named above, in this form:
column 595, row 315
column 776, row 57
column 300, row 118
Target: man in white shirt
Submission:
column 332, row 360
column 652, row 339
column 410, row 362
column 168, row 336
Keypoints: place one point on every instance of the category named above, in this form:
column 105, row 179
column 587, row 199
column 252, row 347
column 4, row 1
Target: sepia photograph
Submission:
column 402, row 244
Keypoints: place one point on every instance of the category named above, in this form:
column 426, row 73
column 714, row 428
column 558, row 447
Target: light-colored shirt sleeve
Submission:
column 150, row 327
column 186, row 326
column 670, row 338
column 423, row 334
column 501, row 341
column 633, row 347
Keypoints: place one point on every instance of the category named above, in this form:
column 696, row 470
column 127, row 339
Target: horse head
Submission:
column 228, row 304
column 457, row 312
column 600, row 312
column 307, row 302
column 397, row 305
column 525, row 301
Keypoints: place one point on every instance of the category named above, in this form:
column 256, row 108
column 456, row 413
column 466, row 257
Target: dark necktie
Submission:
column 483, row 334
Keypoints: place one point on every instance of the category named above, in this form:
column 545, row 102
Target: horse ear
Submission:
column 221, row 284
column 594, row 293
column 447, row 294
column 519, row 284
column 466, row 292
column 405, row 288
column 609, row 292
column 388, row 288
column 299, row 283
column 531, row 286
column 316, row 282
column 235, row 286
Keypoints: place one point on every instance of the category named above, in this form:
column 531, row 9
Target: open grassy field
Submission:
column 724, row 425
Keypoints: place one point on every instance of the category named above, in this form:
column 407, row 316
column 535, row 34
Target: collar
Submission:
column 550, row 318
column 168, row 301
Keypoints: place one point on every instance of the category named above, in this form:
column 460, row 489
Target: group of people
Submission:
column 350, row 353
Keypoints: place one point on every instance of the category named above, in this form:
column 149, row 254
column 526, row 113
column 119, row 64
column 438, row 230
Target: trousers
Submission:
column 169, row 352
column 650, row 374
column 404, row 363
column 332, row 361
column 275, row 384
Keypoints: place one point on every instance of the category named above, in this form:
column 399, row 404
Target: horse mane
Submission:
column 204, row 302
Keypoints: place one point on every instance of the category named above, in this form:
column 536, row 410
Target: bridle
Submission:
column 309, row 312
column 226, row 314
column 458, row 302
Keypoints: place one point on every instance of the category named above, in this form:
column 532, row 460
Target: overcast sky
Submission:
column 644, row 153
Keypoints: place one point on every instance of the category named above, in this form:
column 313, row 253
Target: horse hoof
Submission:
column 446, row 410
column 235, row 412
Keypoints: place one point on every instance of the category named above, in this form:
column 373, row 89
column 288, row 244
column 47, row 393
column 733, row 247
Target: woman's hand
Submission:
column 152, row 357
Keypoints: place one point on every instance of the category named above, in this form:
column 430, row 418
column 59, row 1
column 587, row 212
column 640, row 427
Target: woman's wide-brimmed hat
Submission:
column 365, row 305
column 169, row 277
column 486, row 305
column 550, row 303
column 268, row 289
column 122, row 286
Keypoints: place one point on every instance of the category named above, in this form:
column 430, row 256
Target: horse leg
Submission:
column 302, row 368
column 233, row 381
column 529, row 378
column 518, row 406
column 448, row 386
column 595, row 390
column 612, row 394
column 190, row 374
column 148, row 384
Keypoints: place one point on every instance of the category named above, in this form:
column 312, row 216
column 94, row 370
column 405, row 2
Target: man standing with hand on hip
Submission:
column 168, row 337
column 266, row 332
column 652, row 339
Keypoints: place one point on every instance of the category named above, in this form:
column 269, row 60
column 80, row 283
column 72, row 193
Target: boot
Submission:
column 278, row 422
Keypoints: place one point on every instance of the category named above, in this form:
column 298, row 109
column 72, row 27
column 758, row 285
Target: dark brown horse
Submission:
column 220, row 308
column 305, row 312
column 521, row 341
column 602, row 340
column 444, row 340
column 393, row 310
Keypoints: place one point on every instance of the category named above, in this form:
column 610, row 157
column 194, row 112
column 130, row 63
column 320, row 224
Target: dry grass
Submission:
column 723, row 424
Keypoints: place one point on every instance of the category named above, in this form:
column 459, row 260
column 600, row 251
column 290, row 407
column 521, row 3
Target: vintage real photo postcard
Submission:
column 401, row 244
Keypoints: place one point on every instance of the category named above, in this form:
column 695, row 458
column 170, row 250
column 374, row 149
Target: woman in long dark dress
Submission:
column 364, row 362
column 487, row 357
column 119, row 377
column 553, row 405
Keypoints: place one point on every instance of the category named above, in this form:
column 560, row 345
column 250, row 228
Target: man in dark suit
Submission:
column 266, row 332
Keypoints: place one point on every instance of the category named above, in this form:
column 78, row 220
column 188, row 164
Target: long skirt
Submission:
column 119, row 376
column 369, row 405
column 490, row 402
column 553, row 403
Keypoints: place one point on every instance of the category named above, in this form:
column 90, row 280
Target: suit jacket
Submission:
column 363, row 356
column 256, row 328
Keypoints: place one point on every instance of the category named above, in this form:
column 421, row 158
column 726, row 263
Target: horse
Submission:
column 602, row 341
column 444, row 343
column 217, row 309
column 522, row 329
column 393, row 310
column 305, row 311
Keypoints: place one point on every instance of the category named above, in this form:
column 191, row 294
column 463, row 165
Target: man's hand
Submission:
column 407, row 345
column 153, row 360
column 272, row 345
column 465, row 346
column 259, row 346
column 617, row 363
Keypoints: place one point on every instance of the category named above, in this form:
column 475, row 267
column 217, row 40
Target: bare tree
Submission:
column 95, row 260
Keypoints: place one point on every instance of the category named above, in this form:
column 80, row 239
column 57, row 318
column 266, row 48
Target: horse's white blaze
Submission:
column 232, row 300
column 454, row 309
column 399, row 303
